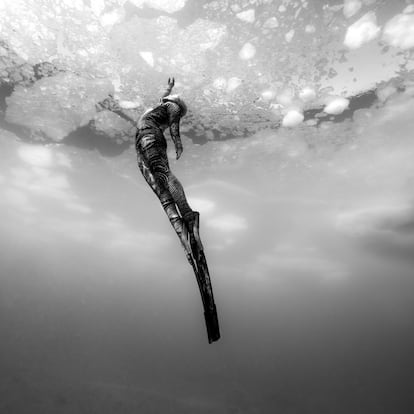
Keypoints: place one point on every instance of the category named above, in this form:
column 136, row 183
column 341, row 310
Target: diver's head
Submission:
column 176, row 99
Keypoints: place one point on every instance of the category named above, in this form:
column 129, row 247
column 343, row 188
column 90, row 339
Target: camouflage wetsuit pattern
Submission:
column 151, row 147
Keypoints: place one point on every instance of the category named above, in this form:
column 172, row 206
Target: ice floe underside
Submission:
column 241, row 65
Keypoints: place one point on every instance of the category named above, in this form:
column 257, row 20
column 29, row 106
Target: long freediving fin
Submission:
column 204, row 283
column 191, row 242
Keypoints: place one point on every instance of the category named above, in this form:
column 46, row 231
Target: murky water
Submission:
column 308, row 231
column 311, row 255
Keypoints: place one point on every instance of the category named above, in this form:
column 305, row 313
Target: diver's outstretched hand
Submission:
column 109, row 103
column 168, row 89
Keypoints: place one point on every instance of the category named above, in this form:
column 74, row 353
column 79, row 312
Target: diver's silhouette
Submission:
column 151, row 148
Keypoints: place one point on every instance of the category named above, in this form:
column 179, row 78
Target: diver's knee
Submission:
column 166, row 199
column 171, row 179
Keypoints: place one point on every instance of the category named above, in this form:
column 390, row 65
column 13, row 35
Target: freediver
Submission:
column 151, row 149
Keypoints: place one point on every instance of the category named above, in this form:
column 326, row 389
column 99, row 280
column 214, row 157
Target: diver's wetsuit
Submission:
column 151, row 147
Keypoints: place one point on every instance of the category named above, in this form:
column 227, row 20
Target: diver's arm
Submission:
column 112, row 105
column 174, row 116
column 175, row 136
column 123, row 115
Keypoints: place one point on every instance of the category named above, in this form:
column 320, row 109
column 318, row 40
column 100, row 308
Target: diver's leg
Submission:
column 177, row 192
column 191, row 219
column 153, row 164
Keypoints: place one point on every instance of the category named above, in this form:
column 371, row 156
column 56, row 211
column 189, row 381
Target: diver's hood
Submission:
column 176, row 99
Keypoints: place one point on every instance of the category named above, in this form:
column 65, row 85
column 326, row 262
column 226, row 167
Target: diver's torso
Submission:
column 157, row 117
